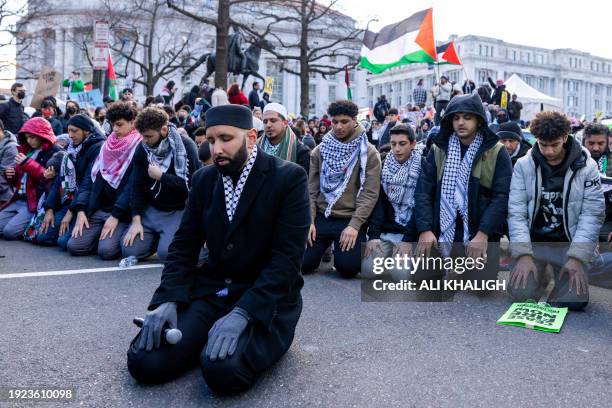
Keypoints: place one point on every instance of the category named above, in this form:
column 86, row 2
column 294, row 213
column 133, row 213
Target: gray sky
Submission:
column 585, row 25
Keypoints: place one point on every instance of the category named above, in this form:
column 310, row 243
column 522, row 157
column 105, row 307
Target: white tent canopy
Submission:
column 533, row 100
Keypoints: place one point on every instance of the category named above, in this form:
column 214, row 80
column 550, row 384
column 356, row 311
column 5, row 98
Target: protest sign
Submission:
column 535, row 316
column 48, row 82
column 91, row 99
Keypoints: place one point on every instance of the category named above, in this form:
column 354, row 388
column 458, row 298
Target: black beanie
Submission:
column 231, row 115
column 82, row 122
column 510, row 130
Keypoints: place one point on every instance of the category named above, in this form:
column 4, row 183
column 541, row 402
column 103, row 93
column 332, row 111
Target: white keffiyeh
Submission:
column 399, row 181
column 232, row 194
column 339, row 160
column 454, row 197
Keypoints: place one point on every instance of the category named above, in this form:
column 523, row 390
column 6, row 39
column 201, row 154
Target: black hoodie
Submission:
column 487, row 207
column 548, row 222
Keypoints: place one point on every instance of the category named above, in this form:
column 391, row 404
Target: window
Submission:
column 514, row 55
column 608, row 106
column 370, row 96
column 312, row 97
column 542, row 83
column 539, row 59
column 331, row 93
column 332, row 77
column 609, row 91
column 598, row 89
column 482, row 76
column 597, row 104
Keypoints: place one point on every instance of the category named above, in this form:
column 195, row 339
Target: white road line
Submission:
column 77, row 271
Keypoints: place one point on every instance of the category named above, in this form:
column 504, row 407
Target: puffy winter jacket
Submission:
column 36, row 184
column 583, row 205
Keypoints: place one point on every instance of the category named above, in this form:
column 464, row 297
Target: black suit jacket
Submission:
column 257, row 256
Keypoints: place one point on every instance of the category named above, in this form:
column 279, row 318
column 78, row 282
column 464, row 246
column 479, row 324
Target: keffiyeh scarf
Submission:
column 170, row 147
column 286, row 149
column 67, row 175
column 339, row 160
column 399, row 181
column 232, row 194
column 454, row 192
column 115, row 157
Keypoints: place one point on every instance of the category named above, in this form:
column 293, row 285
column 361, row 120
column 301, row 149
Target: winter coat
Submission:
column 83, row 165
column 8, row 151
column 12, row 115
column 487, row 189
column 36, row 184
column 583, row 204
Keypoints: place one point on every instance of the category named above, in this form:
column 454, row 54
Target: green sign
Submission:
column 535, row 316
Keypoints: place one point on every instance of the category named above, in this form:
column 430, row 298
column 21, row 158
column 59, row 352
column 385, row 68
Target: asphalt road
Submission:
column 74, row 330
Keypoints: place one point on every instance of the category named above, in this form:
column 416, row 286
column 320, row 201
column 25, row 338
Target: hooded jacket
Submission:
column 8, row 151
column 83, row 164
column 36, row 184
column 487, row 200
column 583, row 202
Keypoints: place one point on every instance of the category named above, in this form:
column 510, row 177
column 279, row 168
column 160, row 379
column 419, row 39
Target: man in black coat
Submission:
column 12, row 112
column 164, row 164
column 237, row 312
column 254, row 96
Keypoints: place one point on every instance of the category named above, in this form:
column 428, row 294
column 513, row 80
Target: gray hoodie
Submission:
column 8, row 151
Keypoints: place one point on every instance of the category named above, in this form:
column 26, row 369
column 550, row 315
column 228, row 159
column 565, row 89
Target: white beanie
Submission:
column 276, row 107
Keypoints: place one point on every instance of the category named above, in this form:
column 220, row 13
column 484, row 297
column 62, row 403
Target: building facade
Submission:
column 60, row 36
column 582, row 81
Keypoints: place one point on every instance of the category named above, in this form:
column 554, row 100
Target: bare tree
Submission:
column 336, row 35
column 140, row 36
column 218, row 18
column 14, row 17
column 324, row 36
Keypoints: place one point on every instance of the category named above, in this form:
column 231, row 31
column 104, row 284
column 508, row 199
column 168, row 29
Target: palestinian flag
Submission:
column 347, row 81
column 111, row 78
column 447, row 54
column 407, row 42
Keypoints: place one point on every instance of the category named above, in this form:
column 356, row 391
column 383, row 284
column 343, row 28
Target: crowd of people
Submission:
column 124, row 181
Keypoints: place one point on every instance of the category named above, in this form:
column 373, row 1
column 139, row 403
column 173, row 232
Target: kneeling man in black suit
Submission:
column 238, row 311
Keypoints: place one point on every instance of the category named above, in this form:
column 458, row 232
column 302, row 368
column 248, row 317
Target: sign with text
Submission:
column 48, row 82
column 91, row 99
column 535, row 316
column 101, row 38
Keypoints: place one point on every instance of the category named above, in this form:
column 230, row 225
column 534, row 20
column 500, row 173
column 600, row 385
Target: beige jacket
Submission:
column 349, row 205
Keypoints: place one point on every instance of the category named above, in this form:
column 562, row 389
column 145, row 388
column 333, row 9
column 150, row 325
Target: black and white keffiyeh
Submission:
column 232, row 194
column 399, row 181
column 453, row 196
column 339, row 160
column 171, row 147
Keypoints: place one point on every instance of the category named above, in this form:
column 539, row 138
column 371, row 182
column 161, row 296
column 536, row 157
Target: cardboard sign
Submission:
column 535, row 316
column 91, row 99
column 48, row 82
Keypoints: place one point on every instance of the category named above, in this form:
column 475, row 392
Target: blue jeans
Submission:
column 50, row 237
column 348, row 263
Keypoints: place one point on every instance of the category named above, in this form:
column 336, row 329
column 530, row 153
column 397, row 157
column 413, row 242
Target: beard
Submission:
column 235, row 165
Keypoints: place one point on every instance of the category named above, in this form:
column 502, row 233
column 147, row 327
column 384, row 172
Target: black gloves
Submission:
column 223, row 336
column 154, row 322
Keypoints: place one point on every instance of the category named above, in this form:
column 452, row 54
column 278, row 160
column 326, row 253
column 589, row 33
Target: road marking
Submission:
column 77, row 271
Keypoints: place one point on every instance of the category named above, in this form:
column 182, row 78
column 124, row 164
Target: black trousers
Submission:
column 258, row 348
column 348, row 263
